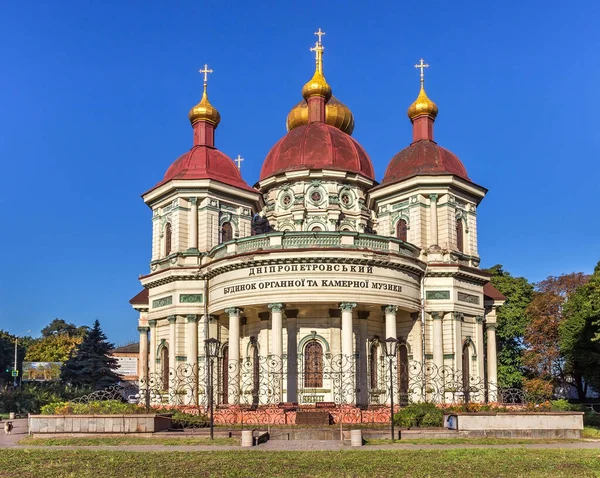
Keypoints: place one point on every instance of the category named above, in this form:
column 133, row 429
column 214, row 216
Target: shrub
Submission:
column 563, row 405
column 103, row 407
column 419, row 415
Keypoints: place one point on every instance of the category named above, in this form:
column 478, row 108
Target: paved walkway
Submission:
column 20, row 431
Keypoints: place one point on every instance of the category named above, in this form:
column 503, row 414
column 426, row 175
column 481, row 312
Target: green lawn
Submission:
column 466, row 441
column 464, row 463
column 591, row 432
column 127, row 440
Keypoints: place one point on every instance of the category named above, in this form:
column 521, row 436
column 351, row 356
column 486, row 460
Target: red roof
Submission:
column 140, row 298
column 490, row 291
column 317, row 145
column 423, row 157
column 205, row 162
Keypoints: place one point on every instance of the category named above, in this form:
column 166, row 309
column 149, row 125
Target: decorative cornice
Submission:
column 458, row 316
column 172, row 319
column 152, row 323
column 192, row 318
column 479, row 319
column 143, row 330
column 391, row 309
column 437, row 315
column 233, row 311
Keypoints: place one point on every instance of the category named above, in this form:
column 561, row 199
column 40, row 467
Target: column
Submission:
column 457, row 334
column 276, row 329
column 192, row 339
column 434, row 219
column 276, row 363
column 172, row 354
column 390, row 322
column 479, row 345
column 193, row 236
column 292, row 355
column 438, row 339
column 152, row 354
column 417, row 384
column 346, row 387
column 234, row 354
column 363, row 352
column 143, row 356
column 347, row 342
column 492, row 367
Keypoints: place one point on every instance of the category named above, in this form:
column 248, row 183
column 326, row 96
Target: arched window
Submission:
column 316, row 229
column 226, row 232
column 403, row 373
column 164, row 361
column 402, row 230
column 374, row 363
column 225, row 375
column 459, row 235
column 466, row 370
column 168, row 239
column 313, row 365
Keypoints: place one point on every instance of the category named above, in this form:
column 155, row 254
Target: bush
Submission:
column 30, row 398
column 419, row 415
column 563, row 405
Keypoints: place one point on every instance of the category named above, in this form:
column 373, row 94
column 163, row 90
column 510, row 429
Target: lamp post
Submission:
column 211, row 347
column 391, row 348
column 16, row 378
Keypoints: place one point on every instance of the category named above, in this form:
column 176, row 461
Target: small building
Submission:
column 127, row 357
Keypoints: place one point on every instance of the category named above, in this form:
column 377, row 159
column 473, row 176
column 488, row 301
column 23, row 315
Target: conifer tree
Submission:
column 92, row 365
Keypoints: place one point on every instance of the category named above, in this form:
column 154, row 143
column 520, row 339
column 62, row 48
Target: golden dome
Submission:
column 204, row 111
column 337, row 114
column 317, row 86
column 422, row 106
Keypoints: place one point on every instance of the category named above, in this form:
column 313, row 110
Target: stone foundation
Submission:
column 42, row 424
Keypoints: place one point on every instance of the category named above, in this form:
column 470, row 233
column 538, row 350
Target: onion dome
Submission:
column 422, row 106
column 204, row 160
column 423, row 156
column 337, row 114
column 317, row 145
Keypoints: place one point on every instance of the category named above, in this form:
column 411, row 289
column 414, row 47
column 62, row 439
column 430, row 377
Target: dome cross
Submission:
column 239, row 160
column 422, row 67
column 319, row 33
column 205, row 71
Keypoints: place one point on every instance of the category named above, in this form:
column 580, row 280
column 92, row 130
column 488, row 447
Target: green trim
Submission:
column 437, row 295
column 190, row 298
column 448, row 356
column 181, row 358
column 429, row 356
column 310, row 337
column 162, row 302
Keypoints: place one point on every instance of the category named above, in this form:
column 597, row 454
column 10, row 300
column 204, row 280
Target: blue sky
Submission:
column 93, row 109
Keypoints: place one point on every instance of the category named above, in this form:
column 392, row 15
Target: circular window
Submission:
column 286, row 200
column 346, row 199
column 315, row 196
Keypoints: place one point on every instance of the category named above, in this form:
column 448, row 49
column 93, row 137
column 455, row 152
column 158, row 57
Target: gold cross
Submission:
column 318, row 49
column 422, row 67
column 319, row 34
column 239, row 160
column 206, row 71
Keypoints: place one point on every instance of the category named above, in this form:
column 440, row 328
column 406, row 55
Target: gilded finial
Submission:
column 317, row 86
column 204, row 111
column 422, row 106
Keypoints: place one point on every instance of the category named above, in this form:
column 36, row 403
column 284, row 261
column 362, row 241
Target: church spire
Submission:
column 204, row 117
column 317, row 91
column 423, row 111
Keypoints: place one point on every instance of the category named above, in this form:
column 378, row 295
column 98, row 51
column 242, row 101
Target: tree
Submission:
column 60, row 327
column 543, row 356
column 92, row 365
column 7, row 354
column 53, row 348
column 511, row 324
column 580, row 335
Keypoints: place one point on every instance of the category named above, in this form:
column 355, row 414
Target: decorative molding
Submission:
column 172, row 319
column 490, row 327
column 143, row 330
column 448, row 356
column 470, row 298
column 192, row 318
column 181, row 358
column 276, row 307
column 190, row 298
column 233, row 311
column 479, row 319
column 152, row 323
column 347, row 306
column 162, row 302
column 437, row 295
column 437, row 315
column 458, row 316
column 391, row 309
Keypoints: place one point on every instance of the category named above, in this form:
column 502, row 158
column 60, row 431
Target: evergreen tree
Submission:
column 91, row 365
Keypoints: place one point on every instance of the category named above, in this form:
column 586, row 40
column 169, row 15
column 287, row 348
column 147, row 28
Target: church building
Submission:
column 304, row 276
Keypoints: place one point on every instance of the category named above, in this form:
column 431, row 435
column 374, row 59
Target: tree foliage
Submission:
column 511, row 325
column 92, row 365
column 53, row 348
column 60, row 327
column 579, row 334
column 7, row 354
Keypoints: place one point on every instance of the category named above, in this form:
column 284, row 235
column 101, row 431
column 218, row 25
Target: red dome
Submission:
column 204, row 162
column 426, row 158
column 317, row 145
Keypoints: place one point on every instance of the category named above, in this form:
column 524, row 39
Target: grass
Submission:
column 465, row 463
column 126, row 440
column 591, row 432
column 466, row 441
